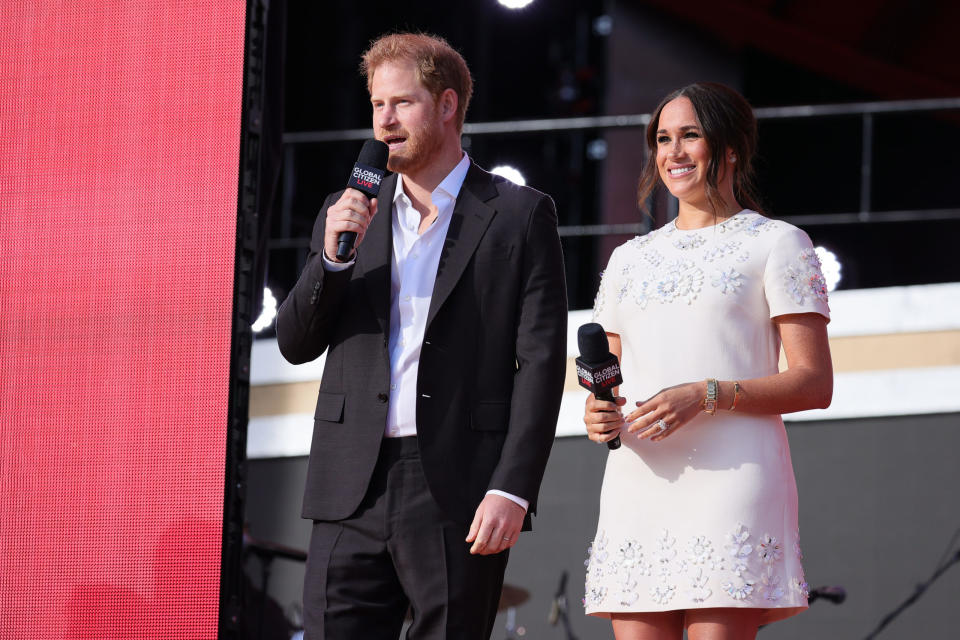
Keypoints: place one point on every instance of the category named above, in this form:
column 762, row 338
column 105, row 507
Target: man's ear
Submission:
column 448, row 104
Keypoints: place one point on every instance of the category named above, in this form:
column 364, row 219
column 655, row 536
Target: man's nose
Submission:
column 386, row 117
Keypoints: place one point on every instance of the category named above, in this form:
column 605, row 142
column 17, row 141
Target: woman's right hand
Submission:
column 603, row 419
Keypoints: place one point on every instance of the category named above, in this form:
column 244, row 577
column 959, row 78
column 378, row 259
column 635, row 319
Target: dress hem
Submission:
column 769, row 615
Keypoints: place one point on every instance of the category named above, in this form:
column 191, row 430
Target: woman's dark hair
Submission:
column 726, row 122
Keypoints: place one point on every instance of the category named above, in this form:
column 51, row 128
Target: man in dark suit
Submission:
column 445, row 336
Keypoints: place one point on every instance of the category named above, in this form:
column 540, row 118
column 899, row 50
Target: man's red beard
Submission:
column 421, row 144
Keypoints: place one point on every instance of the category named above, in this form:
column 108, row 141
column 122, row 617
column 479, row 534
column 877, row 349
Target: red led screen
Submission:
column 119, row 148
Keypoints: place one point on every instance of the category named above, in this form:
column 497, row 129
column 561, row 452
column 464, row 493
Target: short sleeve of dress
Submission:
column 605, row 305
column 792, row 280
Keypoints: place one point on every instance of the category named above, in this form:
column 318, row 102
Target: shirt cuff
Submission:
column 509, row 496
column 330, row 265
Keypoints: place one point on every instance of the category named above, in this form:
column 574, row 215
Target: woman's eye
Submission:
column 662, row 139
column 691, row 134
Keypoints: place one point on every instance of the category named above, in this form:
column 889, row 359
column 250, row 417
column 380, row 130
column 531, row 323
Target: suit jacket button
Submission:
column 382, row 397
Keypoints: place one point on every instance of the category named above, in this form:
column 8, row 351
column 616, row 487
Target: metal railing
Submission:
column 865, row 110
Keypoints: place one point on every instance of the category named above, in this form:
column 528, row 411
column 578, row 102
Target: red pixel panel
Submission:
column 119, row 148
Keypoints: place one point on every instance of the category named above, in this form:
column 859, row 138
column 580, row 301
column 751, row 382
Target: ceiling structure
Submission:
column 551, row 61
column 889, row 49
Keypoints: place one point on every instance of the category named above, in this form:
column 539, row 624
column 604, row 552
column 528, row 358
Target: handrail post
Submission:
column 866, row 165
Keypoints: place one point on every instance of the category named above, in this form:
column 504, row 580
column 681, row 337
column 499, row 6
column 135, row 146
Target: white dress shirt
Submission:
column 413, row 273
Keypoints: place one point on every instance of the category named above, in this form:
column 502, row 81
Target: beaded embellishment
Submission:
column 804, row 280
column 753, row 571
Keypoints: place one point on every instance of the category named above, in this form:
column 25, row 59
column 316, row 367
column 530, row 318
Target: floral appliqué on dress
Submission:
column 743, row 585
column 739, row 548
column 749, row 570
column 799, row 584
column 770, row 553
column 626, row 566
column 727, row 280
column 665, row 567
column 601, row 298
column 692, row 241
column 804, row 280
column 754, row 227
column 680, row 279
column 721, row 250
column 596, row 568
column 700, row 556
column 664, row 590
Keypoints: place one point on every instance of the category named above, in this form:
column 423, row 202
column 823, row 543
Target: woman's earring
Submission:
column 733, row 158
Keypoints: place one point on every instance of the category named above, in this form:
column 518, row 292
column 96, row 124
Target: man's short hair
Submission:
column 438, row 65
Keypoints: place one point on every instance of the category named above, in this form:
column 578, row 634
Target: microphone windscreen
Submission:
column 593, row 343
column 374, row 153
column 368, row 172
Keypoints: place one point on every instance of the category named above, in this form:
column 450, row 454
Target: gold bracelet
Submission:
column 736, row 395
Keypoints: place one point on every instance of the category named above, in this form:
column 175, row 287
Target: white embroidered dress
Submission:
column 708, row 516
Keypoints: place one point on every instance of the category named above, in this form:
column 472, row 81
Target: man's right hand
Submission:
column 352, row 212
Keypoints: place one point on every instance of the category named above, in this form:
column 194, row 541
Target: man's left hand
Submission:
column 496, row 525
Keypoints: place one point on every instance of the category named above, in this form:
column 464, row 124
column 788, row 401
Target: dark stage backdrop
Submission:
column 119, row 148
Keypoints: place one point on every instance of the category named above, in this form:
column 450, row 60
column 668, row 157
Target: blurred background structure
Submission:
column 859, row 115
column 857, row 106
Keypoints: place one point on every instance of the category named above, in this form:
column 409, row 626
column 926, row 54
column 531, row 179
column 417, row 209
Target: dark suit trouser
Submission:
column 398, row 550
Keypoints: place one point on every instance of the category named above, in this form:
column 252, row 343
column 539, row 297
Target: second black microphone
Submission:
column 598, row 370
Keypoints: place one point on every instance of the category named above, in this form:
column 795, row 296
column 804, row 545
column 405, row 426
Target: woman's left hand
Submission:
column 674, row 406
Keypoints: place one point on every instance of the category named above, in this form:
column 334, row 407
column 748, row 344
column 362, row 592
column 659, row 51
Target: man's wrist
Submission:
column 524, row 504
column 332, row 265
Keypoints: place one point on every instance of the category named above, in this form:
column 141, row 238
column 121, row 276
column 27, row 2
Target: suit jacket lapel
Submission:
column 375, row 256
column 471, row 217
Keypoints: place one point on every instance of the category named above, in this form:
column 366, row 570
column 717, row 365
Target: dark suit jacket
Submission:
column 492, row 364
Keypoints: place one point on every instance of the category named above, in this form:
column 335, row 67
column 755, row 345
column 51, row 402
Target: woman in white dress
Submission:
column 698, row 518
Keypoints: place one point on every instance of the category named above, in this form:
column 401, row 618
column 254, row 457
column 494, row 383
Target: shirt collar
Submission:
column 450, row 185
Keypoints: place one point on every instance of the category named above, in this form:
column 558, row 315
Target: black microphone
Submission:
column 835, row 594
column 366, row 176
column 597, row 369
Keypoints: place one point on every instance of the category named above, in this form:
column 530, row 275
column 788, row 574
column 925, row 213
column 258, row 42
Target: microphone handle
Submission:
column 614, row 444
column 345, row 242
column 348, row 239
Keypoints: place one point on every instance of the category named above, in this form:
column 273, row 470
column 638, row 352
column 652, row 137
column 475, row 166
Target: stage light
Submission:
column 515, row 4
column 269, row 312
column 830, row 267
column 603, row 25
column 597, row 149
column 510, row 174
